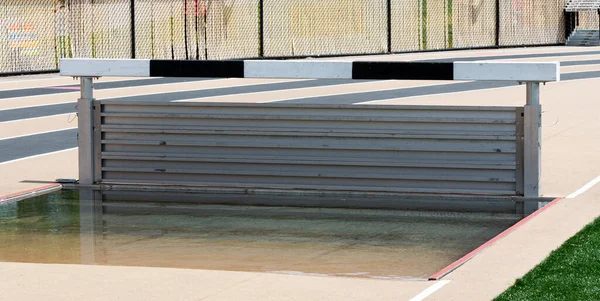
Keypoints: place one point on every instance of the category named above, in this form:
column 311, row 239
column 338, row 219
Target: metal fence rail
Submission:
column 35, row 34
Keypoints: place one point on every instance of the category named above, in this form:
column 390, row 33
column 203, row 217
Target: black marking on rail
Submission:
column 403, row 70
column 220, row 69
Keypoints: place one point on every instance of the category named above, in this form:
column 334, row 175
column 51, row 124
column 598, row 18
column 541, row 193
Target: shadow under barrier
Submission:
column 306, row 198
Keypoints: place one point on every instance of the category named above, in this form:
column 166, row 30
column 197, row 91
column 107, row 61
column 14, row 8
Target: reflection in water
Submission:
column 58, row 228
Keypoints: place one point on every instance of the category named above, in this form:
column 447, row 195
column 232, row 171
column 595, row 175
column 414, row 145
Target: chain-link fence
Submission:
column 589, row 20
column 442, row 24
column 309, row 27
column 100, row 28
column 35, row 34
column 196, row 29
column 531, row 22
column 474, row 23
column 29, row 36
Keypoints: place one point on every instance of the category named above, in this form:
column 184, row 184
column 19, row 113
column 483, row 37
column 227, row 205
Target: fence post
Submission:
column 532, row 143
column 261, row 29
column 132, row 24
column 497, row 23
column 85, row 113
column 389, row 26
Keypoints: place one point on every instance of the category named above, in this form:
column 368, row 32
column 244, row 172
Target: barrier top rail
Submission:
column 315, row 69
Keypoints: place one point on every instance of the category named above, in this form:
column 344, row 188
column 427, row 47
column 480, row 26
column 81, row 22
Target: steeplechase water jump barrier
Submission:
column 381, row 156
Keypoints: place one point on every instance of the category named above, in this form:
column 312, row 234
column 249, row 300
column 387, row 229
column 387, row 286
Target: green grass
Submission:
column 571, row 272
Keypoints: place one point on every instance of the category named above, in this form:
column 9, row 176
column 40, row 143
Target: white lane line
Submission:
column 190, row 89
column 36, row 156
column 59, row 78
column 40, row 105
column 430, row 290
column 581, row 71
column 35, row 77
column 468, row 91
column 11, row 80
column 74, row 88
column 287, row 98
column 375, row 90
column 42, row 117
column 38, row 133
column 278, row 100
column 196, row 99
column 429, row 95
column 266, row 93
column 584, row 188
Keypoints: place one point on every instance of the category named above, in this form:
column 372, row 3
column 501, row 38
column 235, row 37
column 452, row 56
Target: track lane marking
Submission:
column 430, row 290
column 584, row 188
column 37, row 156
column 38, row 133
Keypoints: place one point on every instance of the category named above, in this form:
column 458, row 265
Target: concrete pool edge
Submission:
column 456, row 264
column 29, row 193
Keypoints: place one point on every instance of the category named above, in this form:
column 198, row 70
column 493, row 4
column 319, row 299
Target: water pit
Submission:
column 396, row 244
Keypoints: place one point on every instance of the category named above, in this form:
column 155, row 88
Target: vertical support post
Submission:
column 85, row 112
column 132, row 24
column 532, row 143
column 389, row 26
column 497, row 22
column 261, row 29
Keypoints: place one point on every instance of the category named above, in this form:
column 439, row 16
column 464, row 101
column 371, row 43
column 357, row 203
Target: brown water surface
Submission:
column 58, row 228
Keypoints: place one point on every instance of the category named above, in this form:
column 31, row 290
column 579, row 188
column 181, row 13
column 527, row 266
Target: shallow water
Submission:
column 59, row 228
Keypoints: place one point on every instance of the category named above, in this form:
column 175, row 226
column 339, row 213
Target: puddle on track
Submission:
column 340, row 242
